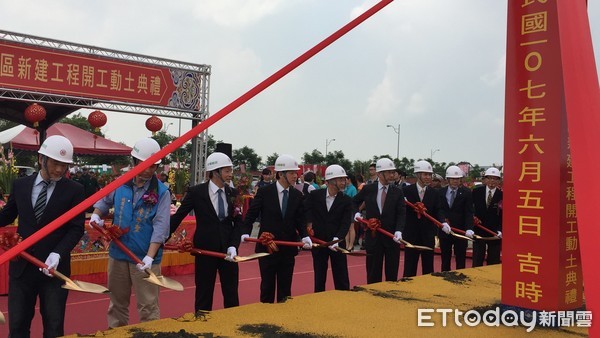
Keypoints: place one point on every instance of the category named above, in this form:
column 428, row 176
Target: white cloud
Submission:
column 234, row 13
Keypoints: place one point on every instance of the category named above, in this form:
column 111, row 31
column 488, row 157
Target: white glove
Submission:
column 397, row 236
column 231, row 253
column 307, row 243
column 357, row 216
column 243, row 238
column 145, row 264
column 446, row 228
column 96, row 218
column 333, row 247
column 469, row 233
column 499, row 234
column 51, row 262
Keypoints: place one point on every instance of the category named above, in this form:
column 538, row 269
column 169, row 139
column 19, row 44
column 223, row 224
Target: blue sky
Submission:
column 436, row 67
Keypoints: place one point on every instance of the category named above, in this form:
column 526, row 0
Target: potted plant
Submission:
column 8, row 172
column 179, row 180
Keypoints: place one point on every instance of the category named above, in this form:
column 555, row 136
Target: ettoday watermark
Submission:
column 497, row 317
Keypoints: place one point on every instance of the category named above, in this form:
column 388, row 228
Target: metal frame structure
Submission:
column 199, row 145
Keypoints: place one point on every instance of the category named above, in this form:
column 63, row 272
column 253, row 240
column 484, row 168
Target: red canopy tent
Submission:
column 84, row 142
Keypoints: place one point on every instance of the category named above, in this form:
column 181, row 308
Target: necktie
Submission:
column 220, row 205
column 452, row 196
column 284, row 202
column 489, row 198
column 421, row 194
column 40, row 202
column 383, row 196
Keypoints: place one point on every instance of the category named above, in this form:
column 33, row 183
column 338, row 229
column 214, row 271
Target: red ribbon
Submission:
column 112, row 232
column 266, row 239
column 420, row 209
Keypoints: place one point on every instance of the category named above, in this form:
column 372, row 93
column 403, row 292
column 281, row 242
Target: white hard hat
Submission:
column 286, row 163
column 492, row 172
column 58, row 148
column 454, row 172
column 334, row 171
column 145, row 148
column 384, row 164
column 423, row 167
column 217, row 160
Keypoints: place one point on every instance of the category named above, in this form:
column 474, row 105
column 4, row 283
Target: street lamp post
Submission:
column 433, row 151
column 397, row 131
column 166, row 127
column 327, row 142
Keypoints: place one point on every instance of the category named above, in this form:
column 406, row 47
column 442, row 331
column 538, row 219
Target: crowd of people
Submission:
column 283, row 207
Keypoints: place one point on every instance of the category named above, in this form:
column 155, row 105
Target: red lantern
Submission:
column 34, row 114
column 154, row 124
column 97, row 119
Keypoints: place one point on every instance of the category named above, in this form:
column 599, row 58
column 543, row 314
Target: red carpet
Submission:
column 86, row 313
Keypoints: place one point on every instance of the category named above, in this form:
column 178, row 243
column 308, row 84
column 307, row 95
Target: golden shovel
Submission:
column 69, row 283
column 236, row 259
column 152, row 277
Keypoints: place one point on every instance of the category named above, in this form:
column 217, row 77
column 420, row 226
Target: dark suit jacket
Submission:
column 266, row 204
column 422, row 231
column 332, row 223
column 66, row 195
column 392, row 217
column 490, row 217
column 460, row 215
column 211, row 233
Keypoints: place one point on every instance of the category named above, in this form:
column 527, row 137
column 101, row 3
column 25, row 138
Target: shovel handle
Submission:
column 199, row 251
column 478, row 224
column 118, row 243
column 284, row 243
column 41, row 265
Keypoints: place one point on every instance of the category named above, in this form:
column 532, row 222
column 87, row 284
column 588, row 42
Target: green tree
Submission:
column 271, row 159
column 337, row 157
column 360, row 167
column 248, row 156
column 316, row 157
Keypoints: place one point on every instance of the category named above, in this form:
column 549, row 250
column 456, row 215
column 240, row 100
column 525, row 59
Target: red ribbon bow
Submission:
column 184, row 245
column 112, row 231
column 420, row 209
column 8, row 240
column 266, row 239
column 373, row 224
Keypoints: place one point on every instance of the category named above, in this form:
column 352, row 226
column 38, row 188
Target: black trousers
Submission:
column 206, row 273
column 22, row 296
column 460, row 252
column 411, row 261
column 379, row 253
column 493, row 252
column 339, row 269
column 276, row 272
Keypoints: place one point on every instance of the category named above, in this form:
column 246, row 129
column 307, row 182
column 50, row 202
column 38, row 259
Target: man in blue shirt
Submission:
column 141, row 211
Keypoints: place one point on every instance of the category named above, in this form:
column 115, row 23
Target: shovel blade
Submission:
column 163, row 281
column 2, row 319
column 251, row 257
column 85, row 287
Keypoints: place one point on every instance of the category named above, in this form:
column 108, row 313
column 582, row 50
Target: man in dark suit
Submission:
column 328, row 214
column 487, row 202
column 37, row 200
column 420, row 230
column 281, row 214
column 457, row 203
column 384, row 201
column 218, row 228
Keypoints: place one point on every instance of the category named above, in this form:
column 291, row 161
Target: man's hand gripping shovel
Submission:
column 422, row 211
column 186, row 246
column 152, row 278
column 375, row 225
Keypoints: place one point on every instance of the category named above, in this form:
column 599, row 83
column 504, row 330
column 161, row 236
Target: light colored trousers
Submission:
column 122, row 275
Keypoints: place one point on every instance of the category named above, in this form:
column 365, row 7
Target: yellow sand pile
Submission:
column 387, row 309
